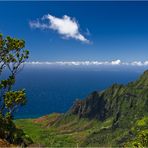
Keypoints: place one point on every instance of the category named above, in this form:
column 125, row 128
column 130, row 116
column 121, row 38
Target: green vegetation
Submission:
column 70, row 131
column 12, row 57
column 117, row 116
column 140, row 130
column 86, row 133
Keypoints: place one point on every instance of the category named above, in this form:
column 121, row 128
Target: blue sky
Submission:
column 106, row 30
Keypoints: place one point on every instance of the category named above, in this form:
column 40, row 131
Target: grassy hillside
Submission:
column 117, row 116
column 71, row 131
column 82, row 132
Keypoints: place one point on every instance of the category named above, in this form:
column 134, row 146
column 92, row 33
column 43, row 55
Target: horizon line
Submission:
column 90, row 63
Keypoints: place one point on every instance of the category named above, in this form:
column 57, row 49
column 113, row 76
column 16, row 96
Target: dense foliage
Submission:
column 12, row 57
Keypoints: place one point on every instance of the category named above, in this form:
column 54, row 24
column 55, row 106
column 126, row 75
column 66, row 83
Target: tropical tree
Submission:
column 12, row 58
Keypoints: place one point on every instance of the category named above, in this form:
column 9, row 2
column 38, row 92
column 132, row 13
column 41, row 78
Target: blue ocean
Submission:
column 55, row 90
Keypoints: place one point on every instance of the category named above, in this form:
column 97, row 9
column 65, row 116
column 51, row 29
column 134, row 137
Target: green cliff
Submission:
column 124, row 103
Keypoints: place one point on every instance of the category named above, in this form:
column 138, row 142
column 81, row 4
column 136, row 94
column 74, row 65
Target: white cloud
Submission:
column 37, row 24
column 138, row 63
column 91, row 63
column 145, row 62
column 116, row 62
column 66, row 26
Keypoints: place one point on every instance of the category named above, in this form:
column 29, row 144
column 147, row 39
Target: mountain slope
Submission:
column 117, row 116
column 124, row 103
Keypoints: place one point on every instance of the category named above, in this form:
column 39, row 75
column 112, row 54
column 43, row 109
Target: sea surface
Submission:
column 55, row 89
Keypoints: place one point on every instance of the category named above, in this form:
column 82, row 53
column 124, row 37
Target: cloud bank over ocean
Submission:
column 91, row 63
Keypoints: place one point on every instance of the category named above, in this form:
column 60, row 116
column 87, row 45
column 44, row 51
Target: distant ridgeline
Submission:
column 117, row 116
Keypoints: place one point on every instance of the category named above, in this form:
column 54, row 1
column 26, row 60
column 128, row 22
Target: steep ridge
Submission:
column 125, row 103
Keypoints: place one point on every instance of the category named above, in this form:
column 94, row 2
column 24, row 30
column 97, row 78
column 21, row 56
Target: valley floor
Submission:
column 73, row 132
